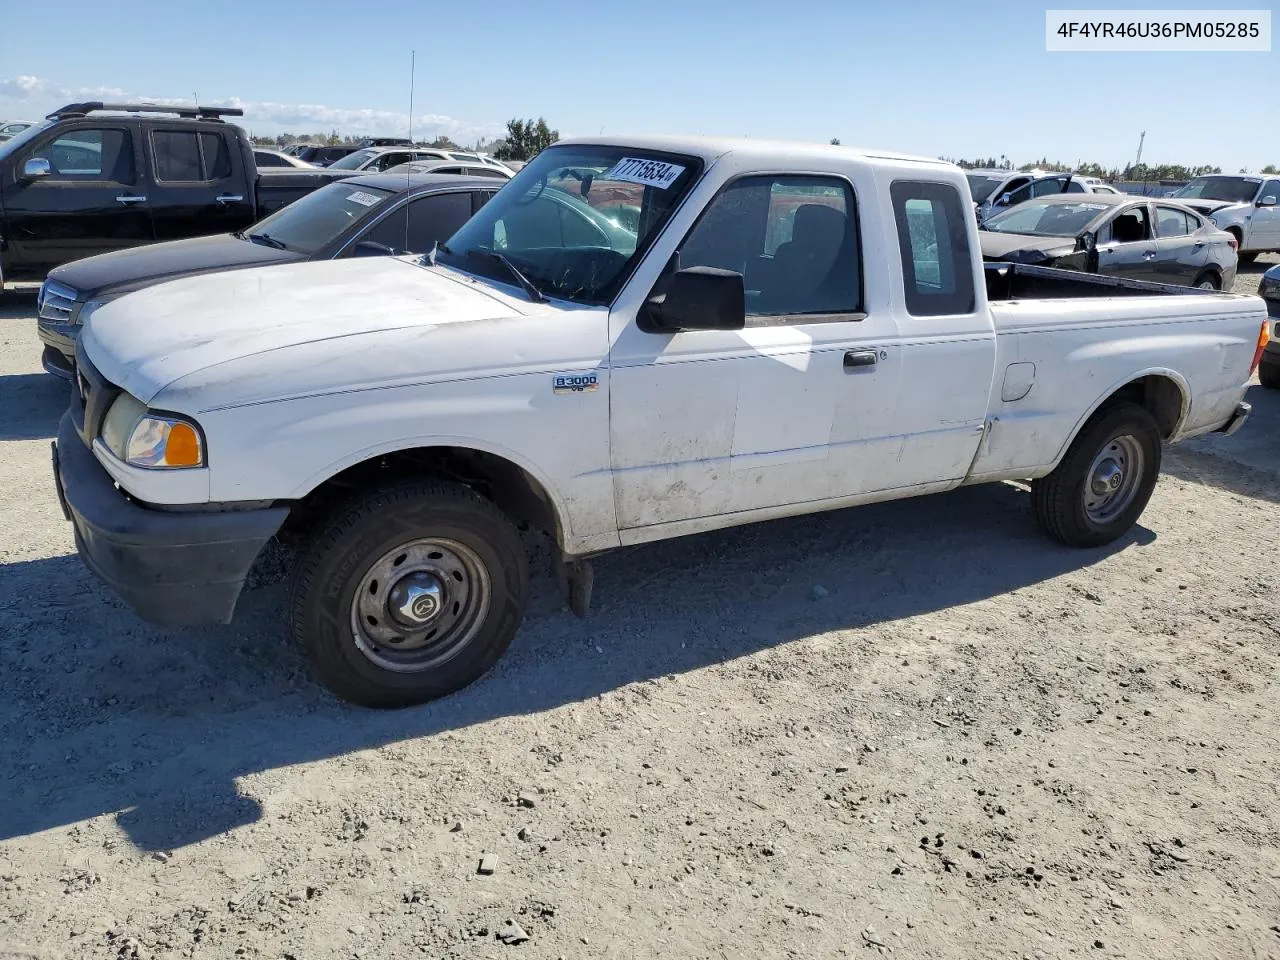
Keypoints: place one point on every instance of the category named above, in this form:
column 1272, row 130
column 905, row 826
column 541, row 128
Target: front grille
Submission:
column 57, row 301
column 92, row 398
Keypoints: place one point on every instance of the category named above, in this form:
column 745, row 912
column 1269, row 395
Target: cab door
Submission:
column 90, row 199
column 200, row 184
column 711, row 422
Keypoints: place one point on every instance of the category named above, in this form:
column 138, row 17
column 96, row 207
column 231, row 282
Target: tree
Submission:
column 835, row 141
column 1270, row 169
column 526, row 139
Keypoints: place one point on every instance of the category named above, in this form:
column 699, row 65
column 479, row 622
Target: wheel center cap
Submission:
column 416, row 599
column 1107, row 478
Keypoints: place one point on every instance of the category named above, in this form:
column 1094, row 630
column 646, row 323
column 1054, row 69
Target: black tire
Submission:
column 1059, row 499
column 1269, row 374
column 355, row 545
column 1210, row 277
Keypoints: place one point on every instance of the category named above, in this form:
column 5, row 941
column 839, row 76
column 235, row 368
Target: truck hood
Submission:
column 1023, row 248
column 146, row 340
column 1210, row 206
column 111, row 274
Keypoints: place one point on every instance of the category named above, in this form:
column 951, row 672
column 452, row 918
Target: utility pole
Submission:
column 1141, row 137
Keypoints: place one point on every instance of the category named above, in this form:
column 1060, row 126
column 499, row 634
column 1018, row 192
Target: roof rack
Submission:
column 191, row 112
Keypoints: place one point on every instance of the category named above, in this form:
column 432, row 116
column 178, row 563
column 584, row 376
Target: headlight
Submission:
column 142, row 438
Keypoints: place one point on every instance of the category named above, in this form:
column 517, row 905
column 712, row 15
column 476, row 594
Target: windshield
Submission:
column 1043, row 219
column 982, row 186
column 353, row 161
column 318, row 218
column 575, row 220
column 18, row 141
column 1232, row 189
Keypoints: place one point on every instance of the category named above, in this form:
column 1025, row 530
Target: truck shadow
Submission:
column 105, row 715
column 31, row 405
column 1245, row 463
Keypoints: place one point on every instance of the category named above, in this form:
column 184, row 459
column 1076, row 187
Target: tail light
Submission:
column 1231, row 239
column 1264, row 337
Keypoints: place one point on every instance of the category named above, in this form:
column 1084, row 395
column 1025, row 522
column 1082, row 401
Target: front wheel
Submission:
column 1103, row 483
column 409, row 593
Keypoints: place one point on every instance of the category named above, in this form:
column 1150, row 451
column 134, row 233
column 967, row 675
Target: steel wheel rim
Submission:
column 419, row 604
column 1113, row 479
column 1206, row 284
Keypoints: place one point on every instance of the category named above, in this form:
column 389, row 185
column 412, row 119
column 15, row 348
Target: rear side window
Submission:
column 933, row 241
column 177, row 155
column 1171, row 222
column 217, row 158
column 190, row 157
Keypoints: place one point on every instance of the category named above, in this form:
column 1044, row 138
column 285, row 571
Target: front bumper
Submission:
column 1237, row 419
column 173, row 568
column 59, row 357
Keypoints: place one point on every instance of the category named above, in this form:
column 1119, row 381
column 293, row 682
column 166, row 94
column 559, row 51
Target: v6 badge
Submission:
column 575, row 383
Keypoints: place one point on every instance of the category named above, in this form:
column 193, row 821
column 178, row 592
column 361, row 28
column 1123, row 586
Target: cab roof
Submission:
column 708, row 149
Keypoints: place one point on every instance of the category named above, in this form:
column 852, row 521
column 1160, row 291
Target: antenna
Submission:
column 413, row 56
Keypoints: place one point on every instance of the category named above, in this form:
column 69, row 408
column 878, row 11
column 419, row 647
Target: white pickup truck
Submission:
column 634, row 339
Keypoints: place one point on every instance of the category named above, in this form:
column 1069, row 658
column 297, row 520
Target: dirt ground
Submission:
column 916, row 729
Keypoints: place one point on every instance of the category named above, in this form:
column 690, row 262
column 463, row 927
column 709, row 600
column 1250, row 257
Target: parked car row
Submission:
column 363, row 216
column 96, row 177
column 1114, row 234
column 1246, row 207
column 995, row 190
column 99, row 177
column 11, row 128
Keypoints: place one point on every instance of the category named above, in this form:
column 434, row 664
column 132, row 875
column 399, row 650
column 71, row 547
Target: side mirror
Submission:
column 700, row 298
column 35, row 168
column 1268, row 201
column 1088, row 241
column 1004, row 199
column 368, row 248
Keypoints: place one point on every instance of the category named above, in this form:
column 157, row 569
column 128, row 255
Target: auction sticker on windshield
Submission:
column 650, row 173
column 364, row 199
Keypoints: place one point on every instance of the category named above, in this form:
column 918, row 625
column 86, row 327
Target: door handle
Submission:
column 1148, row 256
column 228, row 198
column 126, row 198
column 859, row 358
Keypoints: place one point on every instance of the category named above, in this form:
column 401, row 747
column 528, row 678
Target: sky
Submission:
column 932, row 78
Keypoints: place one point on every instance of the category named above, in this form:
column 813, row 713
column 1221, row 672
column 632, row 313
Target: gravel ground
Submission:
column 917, row 728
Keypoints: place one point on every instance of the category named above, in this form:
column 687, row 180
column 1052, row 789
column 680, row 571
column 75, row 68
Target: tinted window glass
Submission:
column 316, row 219
column 937, row 268
column 1271, row 189
column 437, row 218
column 268, row 160
column 90, row 155
column 177, row 154
column 1074, row 186
column 217, row 156
column 794, row 239
column 485, row 172
column 354, row 161
column 1171, row 222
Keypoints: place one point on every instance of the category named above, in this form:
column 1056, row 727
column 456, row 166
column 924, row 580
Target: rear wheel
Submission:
column 1103, row 483
column 409, row 593
column 1207, row 281
column 1269, row 374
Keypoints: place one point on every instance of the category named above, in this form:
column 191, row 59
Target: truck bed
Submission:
column 280, row 187
column 1017, row 281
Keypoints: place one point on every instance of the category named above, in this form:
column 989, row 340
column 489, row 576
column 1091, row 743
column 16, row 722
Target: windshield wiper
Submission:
column 267, row 240
column 526, row 284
